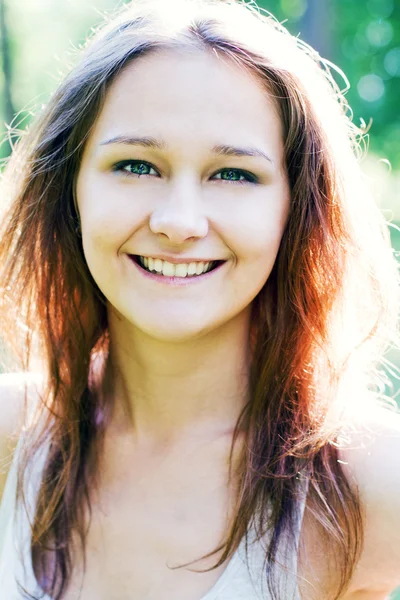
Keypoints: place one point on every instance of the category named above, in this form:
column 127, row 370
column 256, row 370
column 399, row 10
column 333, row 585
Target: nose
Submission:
column 179, row 215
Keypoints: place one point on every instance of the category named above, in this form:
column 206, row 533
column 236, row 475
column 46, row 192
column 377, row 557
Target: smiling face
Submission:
column 161, row 174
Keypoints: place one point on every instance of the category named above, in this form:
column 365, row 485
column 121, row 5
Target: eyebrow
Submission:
column 220, row 149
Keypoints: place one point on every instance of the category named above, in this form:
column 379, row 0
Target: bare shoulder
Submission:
column 371, row 456
column 371, row 461
column 14, row 388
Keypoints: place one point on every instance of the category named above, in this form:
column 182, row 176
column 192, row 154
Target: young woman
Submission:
column 192, row 253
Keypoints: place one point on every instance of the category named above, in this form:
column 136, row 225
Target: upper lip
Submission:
column 176, row 261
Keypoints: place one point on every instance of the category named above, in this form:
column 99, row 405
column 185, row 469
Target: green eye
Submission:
column 138, row 168
column 133, row 167
column 236, row 176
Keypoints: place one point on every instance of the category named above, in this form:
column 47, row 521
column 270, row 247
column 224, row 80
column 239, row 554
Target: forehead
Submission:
column 189, row 95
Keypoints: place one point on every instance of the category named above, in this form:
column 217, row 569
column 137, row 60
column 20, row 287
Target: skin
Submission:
column 180, row 355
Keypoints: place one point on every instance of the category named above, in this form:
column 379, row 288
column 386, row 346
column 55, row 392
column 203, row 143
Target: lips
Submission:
column 175, row 281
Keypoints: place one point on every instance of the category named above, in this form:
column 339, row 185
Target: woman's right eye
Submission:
column 134, row 167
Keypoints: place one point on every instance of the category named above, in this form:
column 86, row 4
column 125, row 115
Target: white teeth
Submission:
column 199, row 268
column 180, row 270
column 168, row 269
column 158, row 265
column 192, row 269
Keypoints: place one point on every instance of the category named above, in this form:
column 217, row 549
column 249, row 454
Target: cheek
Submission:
column 255, row 232
column 108, row 215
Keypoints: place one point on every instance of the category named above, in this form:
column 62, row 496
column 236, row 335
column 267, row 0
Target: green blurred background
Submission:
column 39, row 37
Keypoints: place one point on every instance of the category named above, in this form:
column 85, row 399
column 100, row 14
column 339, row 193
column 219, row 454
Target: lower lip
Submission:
column 176, row 281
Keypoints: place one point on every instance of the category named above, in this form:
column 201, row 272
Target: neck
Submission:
column 166, row 392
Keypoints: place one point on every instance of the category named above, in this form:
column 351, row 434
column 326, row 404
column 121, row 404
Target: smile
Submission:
column 180, row 274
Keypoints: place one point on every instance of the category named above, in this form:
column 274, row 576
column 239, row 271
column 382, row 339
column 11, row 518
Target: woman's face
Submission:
column 185, row 162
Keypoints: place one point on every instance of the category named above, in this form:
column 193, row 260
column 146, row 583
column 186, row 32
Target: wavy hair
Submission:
column 318, row 328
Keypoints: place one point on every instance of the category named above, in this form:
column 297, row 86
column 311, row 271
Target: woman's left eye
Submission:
column 236, row 176
column 134, row 167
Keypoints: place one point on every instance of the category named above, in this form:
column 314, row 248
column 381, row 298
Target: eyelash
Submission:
column 119, row 167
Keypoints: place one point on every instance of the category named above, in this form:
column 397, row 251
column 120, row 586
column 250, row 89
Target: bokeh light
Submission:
column 294, row 8
column 371, row 87
column 379, row 33
column 380, row 8
column 391, row 62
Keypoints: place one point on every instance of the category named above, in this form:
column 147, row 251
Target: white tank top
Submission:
column 242, row 579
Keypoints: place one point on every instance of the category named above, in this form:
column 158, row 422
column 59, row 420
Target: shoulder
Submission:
column 371, row 456
column 371, row 461
column 14, row 389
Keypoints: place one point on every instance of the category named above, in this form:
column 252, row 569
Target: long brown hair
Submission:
column 320, row 322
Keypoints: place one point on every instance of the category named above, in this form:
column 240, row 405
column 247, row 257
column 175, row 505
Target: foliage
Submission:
column 363, row 39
